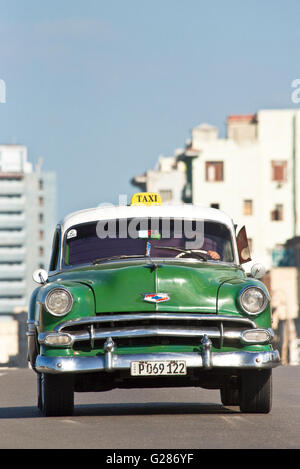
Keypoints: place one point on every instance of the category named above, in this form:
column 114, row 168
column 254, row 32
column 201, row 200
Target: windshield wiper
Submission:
column 123, row 256
column 196, row 252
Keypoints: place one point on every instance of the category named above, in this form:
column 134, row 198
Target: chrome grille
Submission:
column 131, row 329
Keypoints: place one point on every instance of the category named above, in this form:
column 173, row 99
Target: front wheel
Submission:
column 56, row 395
column 229, row 396
column 256, row 391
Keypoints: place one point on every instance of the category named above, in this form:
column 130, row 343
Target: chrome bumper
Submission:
column 205, row 360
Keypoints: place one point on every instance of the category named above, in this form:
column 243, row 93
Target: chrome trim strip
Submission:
column 209, row 333
column 158, row 316
column 241, row 360
column 92, row 335
column 157, row 331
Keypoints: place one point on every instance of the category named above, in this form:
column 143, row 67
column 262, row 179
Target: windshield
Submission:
column 124, row 238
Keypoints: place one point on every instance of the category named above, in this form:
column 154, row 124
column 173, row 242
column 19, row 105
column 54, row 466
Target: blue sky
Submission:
column 100, row 88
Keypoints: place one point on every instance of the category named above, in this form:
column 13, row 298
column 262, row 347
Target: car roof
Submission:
column 109, row 211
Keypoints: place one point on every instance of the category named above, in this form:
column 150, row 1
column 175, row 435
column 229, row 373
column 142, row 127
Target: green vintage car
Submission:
column 148, row 295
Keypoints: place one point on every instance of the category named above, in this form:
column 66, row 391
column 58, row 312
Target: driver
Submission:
column 214, row 255
column 211, row 247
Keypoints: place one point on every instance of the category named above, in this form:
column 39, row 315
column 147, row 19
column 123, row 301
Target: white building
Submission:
column 167, row 178
column 27, row 222
column 251, row 174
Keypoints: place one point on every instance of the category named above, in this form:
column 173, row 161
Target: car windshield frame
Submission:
column 138, row 257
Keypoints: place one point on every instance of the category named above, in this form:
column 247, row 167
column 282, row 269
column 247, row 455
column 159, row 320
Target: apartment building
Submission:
column 27, row 222
column 251, row 174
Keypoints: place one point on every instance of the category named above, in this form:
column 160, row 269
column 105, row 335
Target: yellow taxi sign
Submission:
column 146, row 198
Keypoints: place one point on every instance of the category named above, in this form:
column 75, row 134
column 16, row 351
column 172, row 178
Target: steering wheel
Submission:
column 193, row 252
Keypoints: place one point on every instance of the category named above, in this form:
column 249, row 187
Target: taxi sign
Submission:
column 146, row 198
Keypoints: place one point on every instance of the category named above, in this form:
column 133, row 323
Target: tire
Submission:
column 39, row 392
column 229, row 396
column 56, row 395
column 256, row 391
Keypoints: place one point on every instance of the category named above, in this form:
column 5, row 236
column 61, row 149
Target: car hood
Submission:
column 121, row 286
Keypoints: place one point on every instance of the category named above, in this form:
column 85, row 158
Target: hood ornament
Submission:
column 156, row 297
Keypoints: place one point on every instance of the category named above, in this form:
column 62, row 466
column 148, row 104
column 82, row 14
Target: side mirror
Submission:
column 40, row 276
column 258, row 271
column 243, row 247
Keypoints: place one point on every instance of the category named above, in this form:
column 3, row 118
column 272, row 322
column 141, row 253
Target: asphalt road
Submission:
column 153, row 418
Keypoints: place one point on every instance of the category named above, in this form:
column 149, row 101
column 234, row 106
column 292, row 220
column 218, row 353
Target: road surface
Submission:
column 148, row 418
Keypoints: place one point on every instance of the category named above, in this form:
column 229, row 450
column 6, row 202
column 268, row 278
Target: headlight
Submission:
column 253, row 300
column 59, row 302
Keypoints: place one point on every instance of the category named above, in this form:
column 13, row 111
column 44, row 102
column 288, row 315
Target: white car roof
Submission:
column 109, row 212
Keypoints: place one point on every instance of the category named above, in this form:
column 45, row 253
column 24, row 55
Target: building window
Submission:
column 215, row 205
column 248, row 207
column 279, row 171
column 41, row 184
column 41, row 201
column 41, row 235
column 41, row 217
column 214, row 171
column 41, row 251
column 277, row 213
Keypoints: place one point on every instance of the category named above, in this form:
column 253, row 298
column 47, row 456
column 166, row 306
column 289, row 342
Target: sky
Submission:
column 99, row 89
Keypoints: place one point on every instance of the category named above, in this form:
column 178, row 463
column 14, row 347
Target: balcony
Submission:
column 10, row 272
column 12, row 289
column 12, row 204
column 12, row 238
column 12, row 221
column 12, row 254
column 11, row 187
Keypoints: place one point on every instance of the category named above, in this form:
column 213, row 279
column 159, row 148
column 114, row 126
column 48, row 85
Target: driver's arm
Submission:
column 214, row 255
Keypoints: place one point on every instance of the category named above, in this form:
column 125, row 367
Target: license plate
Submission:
column 158, row 368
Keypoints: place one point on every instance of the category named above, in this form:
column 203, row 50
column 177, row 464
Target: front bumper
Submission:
column 112, row 361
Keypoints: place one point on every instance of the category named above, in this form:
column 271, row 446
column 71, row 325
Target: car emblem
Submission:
column 156, row 297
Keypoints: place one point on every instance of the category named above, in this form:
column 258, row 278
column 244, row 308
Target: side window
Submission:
column 55, row 251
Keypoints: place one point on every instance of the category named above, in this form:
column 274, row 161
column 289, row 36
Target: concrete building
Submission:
column 251, row 174
column 27, row 222
column 167, row 178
